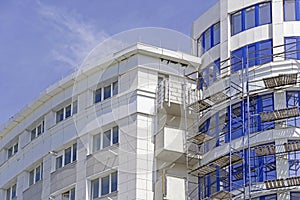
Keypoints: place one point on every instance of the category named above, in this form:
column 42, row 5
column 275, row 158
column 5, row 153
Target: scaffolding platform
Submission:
column 293, row 181
column 225, row 161
column 208, row 102
column 273, row 184
column 202, row 170
column 200, row 138
column 265, row 150
column 220, row 195
column 279, row 114
column 280, row 80
column 199, row 106
column 281, row 183
column 292, row 146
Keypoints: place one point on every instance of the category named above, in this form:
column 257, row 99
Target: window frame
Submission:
column 60, row 159
column 240, row 57
column 100, row 93
column 36, row 176
column 97, row 184
column 65, row 112
column 34, row 133
column 71, row 194
column 11, row 192
column 240, row 18
column 98, row 139
column 12, row 150
column 209, row 38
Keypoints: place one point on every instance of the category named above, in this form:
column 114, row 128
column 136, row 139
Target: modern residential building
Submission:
column 246, row 136
column 91, row 135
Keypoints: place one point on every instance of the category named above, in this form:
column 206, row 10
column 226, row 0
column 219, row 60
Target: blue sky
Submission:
column 42, row 41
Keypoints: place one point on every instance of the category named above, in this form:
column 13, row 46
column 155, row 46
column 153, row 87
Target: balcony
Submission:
column 169, row 144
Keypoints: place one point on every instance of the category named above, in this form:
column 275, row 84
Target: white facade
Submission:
column 92, row 135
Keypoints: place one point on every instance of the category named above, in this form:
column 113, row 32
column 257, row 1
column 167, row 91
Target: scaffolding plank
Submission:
column 218, row 97
column 279, row 114
column 202, row 170
column 199, row 106
column 272, row 184
column 293, row 181
column 225, row 160
column 280, row 80
column 292, row 146
column 200, row 138
column 221, row 195
column 265, row 150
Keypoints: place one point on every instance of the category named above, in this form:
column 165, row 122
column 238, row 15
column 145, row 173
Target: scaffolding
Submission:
column 229, row 169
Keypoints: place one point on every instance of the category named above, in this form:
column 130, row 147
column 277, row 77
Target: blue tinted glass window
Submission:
column 265, row 52
column 236, row 60
column 265, row 13
column 293, row 101
column 236, row 21
column 104, row 185
column 216, row 31
column 289, row 10
column 115, row 88
column 207, row 40
column 217, row 70
column 295, row 195
column 252, row 55
column 250, row 17
column 291, row 48
column 294, row 165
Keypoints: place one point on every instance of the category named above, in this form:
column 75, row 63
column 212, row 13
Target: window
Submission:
column 250, row 17
column 257, row 105
column 294, row 163
column 59, row 162
column 236, row 22
column 292, row 47
column 106, row 92
column 209, row 38
column 104, row 185
column 66, row 112
column 36, row 174
column 265, row 13
column 11, row 192
column 253, row 54
column 37, row 131
column 295, row 196
column 12, row 150
column 67, row 156
column 210, row 74
column 293, row 101
column 69, row 195
column 291, row 10
column 106, row 139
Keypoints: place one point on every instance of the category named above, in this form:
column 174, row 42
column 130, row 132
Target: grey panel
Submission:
column 34, row 192
column 63, row 177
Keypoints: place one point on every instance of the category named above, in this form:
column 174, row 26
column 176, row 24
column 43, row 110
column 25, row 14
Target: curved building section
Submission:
column 246, row 135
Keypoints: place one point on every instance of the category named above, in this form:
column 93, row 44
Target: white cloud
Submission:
column 79, row 36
